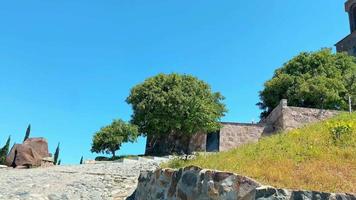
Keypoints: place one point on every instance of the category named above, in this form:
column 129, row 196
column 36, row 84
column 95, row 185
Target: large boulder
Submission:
column 40, row 145
column 29, row 154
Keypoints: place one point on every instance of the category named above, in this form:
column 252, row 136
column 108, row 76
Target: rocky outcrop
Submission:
column 28, row 154
column 196, row 183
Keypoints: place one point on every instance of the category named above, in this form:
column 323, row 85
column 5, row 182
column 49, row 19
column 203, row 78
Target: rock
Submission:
column 29, row 154
column 89, row 162
column 195, row 183
column 270, row 193
column 3, row 166
column 40, row 145
column 48, row 159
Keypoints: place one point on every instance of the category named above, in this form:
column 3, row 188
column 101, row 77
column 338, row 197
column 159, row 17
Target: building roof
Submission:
column 348, row 5
column 347, row 37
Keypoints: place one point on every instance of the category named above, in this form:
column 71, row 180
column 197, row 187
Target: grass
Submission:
column 320, row 156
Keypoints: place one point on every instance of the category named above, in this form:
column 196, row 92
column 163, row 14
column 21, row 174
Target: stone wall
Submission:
column 295, row 117
column 347, row 44
column 233, row 135
column 282, row 118
column 195, row 183
column 274, row 121
column 285, row 117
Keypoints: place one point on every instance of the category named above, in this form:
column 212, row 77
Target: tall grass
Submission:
column 321, row 157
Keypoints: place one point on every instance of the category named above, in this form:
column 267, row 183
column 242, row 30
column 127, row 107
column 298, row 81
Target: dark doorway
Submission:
column 212, row 142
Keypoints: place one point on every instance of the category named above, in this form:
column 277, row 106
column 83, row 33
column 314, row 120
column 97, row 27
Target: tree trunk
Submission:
column 113, row 154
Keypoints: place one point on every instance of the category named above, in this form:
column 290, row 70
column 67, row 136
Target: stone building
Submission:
column 348, row 44
column 233, row 135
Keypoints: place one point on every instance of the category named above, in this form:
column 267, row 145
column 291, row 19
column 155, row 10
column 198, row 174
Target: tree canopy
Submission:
column 110, row 138
column 321, row 79
column 174, row 103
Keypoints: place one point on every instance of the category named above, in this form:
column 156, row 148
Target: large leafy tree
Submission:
column 174, row 103
column 110, row 138
column 321, row 79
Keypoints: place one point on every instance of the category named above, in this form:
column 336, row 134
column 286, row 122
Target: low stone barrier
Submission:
column 194, row 183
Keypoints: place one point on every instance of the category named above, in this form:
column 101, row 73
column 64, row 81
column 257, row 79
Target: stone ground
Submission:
column 89, row 181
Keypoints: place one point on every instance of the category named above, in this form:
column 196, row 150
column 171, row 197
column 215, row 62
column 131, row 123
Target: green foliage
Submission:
column 175, row 103
column 81, row 160
column 56, row 155
column 110, row 138
column 4, row 151
column 341, row 133
column 28, row 131
column 307, row 158
column 59, row 162
column 103, row 158
column 320, row 79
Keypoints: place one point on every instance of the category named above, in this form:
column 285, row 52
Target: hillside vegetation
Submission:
column 321, row 157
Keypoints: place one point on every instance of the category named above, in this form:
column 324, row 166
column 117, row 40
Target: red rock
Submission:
column 40, row 145
column 29, row 154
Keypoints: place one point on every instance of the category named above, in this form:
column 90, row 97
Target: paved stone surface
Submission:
column 88, row 181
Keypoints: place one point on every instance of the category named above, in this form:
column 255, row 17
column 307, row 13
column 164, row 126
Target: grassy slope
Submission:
column 305, row 158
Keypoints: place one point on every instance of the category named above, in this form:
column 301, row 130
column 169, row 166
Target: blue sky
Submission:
column 68, row 67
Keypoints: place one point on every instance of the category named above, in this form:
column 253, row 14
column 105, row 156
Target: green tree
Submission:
column 174, row 103
column 28, row 131
column 59, row 162
column 81, row 160
column 110, row 138
column 321, row 79
column 56, row 155
column 4, row 151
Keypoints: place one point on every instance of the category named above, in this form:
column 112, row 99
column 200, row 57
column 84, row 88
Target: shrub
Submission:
column 341, row 133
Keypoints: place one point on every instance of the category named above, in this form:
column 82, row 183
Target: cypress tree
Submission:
column 59, row 162
column 2, row 156
column 28, row 131
column 56, row 155
column 7, row 146
column 4, row 151
column 81, row 160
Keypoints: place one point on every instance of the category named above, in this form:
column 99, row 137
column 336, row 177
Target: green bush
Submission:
column 341, row 133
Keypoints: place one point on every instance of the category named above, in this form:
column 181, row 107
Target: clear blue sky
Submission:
column 67, row 67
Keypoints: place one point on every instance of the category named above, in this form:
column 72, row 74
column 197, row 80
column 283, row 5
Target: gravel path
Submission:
column 89, row 181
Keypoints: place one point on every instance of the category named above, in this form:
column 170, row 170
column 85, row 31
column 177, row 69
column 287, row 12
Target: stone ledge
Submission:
column 197, row 183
